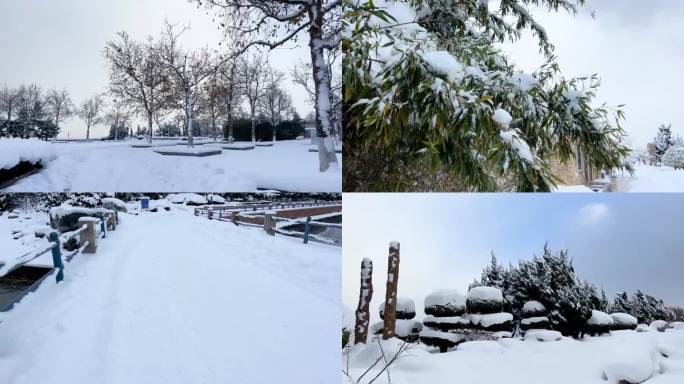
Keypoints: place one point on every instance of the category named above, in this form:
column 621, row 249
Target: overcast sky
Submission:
column 60, row 43
column 617, row 241
column 637, row 49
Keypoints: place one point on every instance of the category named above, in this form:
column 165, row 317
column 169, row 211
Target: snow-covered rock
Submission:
column 542, row 335
column 484, row 300
column 406, row 309
column 445, row 303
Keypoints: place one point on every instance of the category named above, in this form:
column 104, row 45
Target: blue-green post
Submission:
column 57, row 256
column 103, row 228
column 306, row 230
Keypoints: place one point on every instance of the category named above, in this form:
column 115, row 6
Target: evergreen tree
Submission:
column 663, row 141
column 620, row 304
column 425, row 82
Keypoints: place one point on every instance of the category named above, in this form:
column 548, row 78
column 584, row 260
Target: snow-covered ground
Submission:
column 117, row 167
column 649, row 357
column 648, row 178
column 174, row 298
column 14, row 151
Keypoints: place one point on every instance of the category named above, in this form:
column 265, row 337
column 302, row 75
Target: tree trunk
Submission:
column 149, row 125
column 326, row 149
column 365, row 296
column 390, row 313
column 88, row 132
column 188, row 112
column 253, row 124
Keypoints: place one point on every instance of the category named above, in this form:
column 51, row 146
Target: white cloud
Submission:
column 593, row 213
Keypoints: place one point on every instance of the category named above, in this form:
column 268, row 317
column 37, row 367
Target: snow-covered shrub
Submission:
column 114, row 204
column 406, row 309
column 445, row 303
column 659, row 325
column 674, row 157
column 484, row 300
column 599, row 323
column 677, row 325
column 534, row 316
column 441, row 340
column 427, row 80
column 622, row 321
column 65, row 218
column 405, row 328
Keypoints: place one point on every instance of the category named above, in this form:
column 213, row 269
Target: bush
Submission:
column 484, row 300
column 674, row 157
column 445, row 303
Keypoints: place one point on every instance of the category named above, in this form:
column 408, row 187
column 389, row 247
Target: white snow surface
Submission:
column 543, row 335
column 174, row 298
column 658, row 324
column 623, row 318
column 14, row 151
column 534, row 320
column 485, row 293
column 117, row 167
column 649, row 178
column 599, row 318
column 446, row 298
column 566, row 361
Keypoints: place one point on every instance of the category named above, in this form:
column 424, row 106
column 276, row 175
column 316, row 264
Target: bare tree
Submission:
column 271, row 24
column 136, row 76
column 211, row 101
column 90, row 112
column 255, row 74
column 60, row 105
column 189, row 69
column 230, row 72
column 275, row 102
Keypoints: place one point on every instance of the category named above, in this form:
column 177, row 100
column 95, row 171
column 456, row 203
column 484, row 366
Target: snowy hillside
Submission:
column 173, row 298
column 649, row 357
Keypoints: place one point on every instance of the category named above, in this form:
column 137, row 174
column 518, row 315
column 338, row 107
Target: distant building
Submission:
column 574, row 171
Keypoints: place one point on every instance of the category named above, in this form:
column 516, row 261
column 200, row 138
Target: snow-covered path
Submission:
column 173, row 298
column 117, row 167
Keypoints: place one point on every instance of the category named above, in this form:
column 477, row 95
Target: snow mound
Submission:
column 542, row 335
column 643, row 328
column 599, row 318
column 533, row 308
column 623, row 319
column 659, row 325
column 677, row 325
column 403, row 328
column 184, row 198
column 629, row 365
column 445, row 303
column 14, row 151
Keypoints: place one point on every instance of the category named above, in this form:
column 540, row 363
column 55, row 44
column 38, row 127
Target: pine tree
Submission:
column 620, row 304
column 425, row 83
column 663, row 141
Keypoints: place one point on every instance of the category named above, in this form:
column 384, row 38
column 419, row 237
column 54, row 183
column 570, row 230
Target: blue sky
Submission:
column 617, row 241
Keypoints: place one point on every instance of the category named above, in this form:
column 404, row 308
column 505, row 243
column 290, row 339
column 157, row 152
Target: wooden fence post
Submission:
column 57, row 256
column 365, row 296
column 269, row 223
column 390, row 313
column 306, row 229
column 89, row 234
